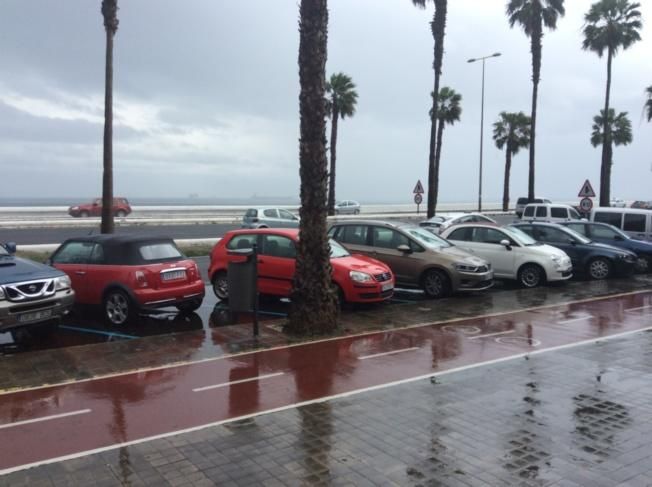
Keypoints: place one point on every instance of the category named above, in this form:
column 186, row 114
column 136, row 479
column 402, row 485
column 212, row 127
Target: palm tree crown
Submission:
column 449, row 107
column 610, row 25
column 343, row 95
column 619, row 127
column 532, row 14
column 648, row 103
column 512, row 131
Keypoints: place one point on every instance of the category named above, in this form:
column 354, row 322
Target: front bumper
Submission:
column 562, row 274
column 16, row 315
column 473, row 281
column 625, row 266
column 370, row 293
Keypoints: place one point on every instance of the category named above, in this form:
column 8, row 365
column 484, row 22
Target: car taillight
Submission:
column 193, row 272
column 141, row 279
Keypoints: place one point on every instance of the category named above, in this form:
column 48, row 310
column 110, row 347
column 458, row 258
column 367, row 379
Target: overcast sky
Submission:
column 206, row 99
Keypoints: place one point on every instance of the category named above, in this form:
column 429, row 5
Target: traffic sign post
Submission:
column 586, row 191
column 586, row 204
column 418, row 191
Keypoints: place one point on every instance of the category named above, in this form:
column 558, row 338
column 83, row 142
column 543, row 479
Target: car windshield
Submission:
column 576, row 235
column 436, row 219
column 337, row 250
column 618, row 231
column 427, row 238
column 520, row 236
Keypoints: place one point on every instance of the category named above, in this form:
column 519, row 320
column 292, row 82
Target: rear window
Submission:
column 159, row 251
column 521, row 201
column 634, row 223
column 610, row 218
column 251, row 213
column 558, row 212
column 529, row 211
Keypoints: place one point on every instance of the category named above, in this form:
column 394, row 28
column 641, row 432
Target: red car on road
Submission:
column 129, row 274
column 121, row 208
column 359, row 279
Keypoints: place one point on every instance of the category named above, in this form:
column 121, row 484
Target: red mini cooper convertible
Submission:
column 359, row 279
column 128, row 274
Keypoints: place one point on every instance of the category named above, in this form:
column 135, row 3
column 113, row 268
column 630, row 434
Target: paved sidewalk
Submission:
column 577, row 417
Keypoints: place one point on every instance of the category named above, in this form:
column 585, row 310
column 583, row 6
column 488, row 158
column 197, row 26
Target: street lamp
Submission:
column 495, row 54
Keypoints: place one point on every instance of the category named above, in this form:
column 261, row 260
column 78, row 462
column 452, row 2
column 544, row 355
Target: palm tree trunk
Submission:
column 440, row 134
column 536, row 76
column 107, row 225
column 438, row 27
column 508, row 169
column 314, row 309
column 331, row 185
column 605, row 166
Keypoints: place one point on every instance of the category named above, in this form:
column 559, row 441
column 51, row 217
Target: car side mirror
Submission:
column 404, row 248
column 505, row 243
column 11, row 247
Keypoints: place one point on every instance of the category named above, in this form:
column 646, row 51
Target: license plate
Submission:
column 387, row 286
column 172, row 275
column 35, row 316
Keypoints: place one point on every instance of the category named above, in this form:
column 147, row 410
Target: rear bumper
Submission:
column 16, row 315
column 160, row 298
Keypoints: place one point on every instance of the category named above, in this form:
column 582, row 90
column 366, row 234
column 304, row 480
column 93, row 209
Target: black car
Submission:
column 610, row 235
column 596, row 260
column 31, row 293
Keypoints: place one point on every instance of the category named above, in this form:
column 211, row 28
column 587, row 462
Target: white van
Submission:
column 637, row 223
column 547, row 212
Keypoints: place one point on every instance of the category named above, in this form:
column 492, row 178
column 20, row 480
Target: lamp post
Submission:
column 496, row 54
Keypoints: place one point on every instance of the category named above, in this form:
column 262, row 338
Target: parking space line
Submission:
column 382, row 354
column 97, row 332
column 241, row 381
column 572, row 320
column 492, row 334
column 44, row 418
column 638, row 309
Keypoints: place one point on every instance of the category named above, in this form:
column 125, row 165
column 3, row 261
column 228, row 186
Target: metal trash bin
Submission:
column 242, row 282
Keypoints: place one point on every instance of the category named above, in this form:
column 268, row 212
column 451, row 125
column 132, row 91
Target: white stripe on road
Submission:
column 44, row 418
column 365, row 357
column 638, row 309
column 226, row 384
column 572, row 320
column 492, row 334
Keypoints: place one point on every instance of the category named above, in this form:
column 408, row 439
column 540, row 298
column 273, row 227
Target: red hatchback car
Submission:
column 359, row 279
column 128, row 274
column 121, row 208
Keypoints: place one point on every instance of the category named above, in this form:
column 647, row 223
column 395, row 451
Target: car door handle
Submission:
column 80, row 273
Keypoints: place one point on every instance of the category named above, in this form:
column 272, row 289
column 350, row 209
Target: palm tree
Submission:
column 610, row 25
column 438, row 28
column 511, row 131
column 648, row 103
column 342, row 104
column 110, row 14
column 448, row 112
column 314, row 300
column 532, row 16
column 619, row 132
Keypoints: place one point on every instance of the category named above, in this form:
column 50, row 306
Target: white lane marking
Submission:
column 393, row 352
column 241, row 381
column 572, row 320
column 637, row 309
column 44, row 418
column 424, row 324
column 492, row 334
column 533, row 342
column 319, row 400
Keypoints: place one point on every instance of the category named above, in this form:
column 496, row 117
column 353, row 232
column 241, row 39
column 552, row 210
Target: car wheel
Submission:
column 599, row 268
column 531, row 275
column 189, row 306
column 341, row 300
column 121, row 213
column 84, row 214
column 356, row 212
column 436, row 284
column 221, row 286
column 118, row 308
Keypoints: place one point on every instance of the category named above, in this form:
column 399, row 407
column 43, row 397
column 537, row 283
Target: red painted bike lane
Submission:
column 52, row 423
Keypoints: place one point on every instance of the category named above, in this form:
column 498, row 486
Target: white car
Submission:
column 347, row 207
column 442, row 221
column 513, row 254
column 547, row 212
column 617, row 203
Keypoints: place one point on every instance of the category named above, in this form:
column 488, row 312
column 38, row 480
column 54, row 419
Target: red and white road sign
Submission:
column 418, row 189
column 586, row 191
column 586, row 204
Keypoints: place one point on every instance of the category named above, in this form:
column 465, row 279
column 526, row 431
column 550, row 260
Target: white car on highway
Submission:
column 513, row 254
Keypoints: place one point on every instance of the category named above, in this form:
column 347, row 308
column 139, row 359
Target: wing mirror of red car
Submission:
column 404, row 248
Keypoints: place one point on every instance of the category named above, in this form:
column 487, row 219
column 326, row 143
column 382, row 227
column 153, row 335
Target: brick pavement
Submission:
column 575, row 417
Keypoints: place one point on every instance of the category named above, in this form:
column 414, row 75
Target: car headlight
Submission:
column 74, row 208
column 462, row 267
column 63, row 282
column 2, row 294
column 358, row 276
column 557, row 260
